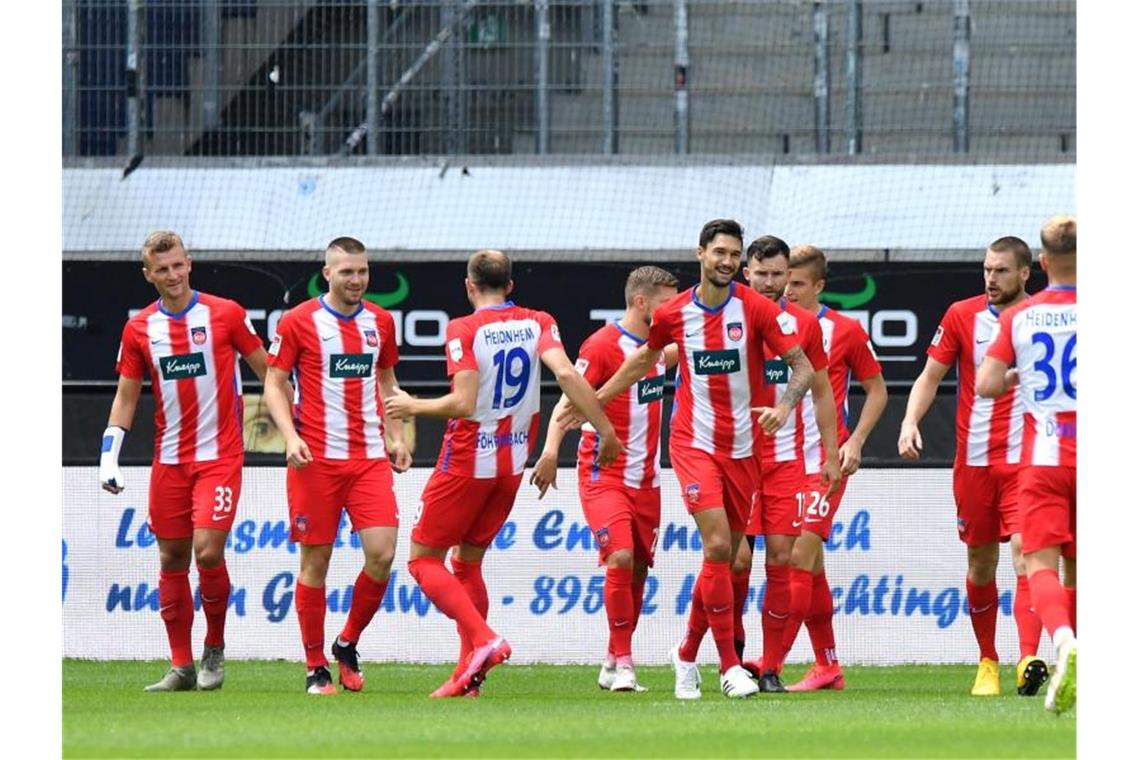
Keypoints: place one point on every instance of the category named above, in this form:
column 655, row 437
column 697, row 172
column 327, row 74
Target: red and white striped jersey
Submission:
column 721, row 370
column 989, row 431
column 194, row 374
column 788, row 443
column 635, row 412
column 335, row 360
column 1039, row 338
column 504, row 344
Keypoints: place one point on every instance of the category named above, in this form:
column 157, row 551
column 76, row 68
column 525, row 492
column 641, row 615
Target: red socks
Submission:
column 1028, row 623
column 620, row 610
column 774, row 616
column 176, row 606
column 367, row 594
column 818, row 621
column 1050, row 600
column 214, row 586
column 638, row 592
column 698, row 623
column 739, row 598
column 716, row 577
column 983, row 602
column 311, row 606
column 449, row 595
column 799, row 605
column 1071, row 593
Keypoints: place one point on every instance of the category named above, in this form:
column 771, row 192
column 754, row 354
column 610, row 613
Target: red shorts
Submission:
column 622, row 518
column 775, row 510
column 987, row 500
column 1048, row 509
column 320, row 490
column 455, row 509
column 817, row 509
column 708, row 482
column 185, row 497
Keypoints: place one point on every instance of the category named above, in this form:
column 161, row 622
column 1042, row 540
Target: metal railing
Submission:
column 416, row 77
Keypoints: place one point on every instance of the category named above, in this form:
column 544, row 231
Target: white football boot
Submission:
column 687, row 682
column 736, row 683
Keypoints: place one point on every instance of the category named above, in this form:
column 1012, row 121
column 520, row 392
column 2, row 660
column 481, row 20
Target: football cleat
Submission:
column 448, row 688
column 320, row 682
column 348, row 663
column 480, row 661
column 213, row 670
column 606, row 676
column 1031, row 673
column 820, row 677
column 988, row 681
column 687, row 677
column 735, row 683
column 625, row 679
column 1062, row 692
column 770, row 683
column 176, row 679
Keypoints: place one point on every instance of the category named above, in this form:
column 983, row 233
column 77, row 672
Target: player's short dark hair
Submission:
column 347, row 244
column 160, row 241
column 1059, row 236
column 1015, row 245
column 721, row 227
column 809, row 257
column 645, row 280
column 767, row 247
column 489, row 270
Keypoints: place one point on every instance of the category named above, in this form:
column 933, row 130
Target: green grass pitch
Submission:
column 549, row 711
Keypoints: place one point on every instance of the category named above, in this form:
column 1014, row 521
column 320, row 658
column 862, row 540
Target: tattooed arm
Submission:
column 772, row 419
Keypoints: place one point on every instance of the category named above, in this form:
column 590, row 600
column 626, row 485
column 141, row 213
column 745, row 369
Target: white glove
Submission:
column 110, row 476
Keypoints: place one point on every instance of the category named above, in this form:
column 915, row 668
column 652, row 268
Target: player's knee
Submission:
column 981, row 565
column 379, row 564
column 718, row 549
column 622, row 559
column 741, row 564
column 209, row 556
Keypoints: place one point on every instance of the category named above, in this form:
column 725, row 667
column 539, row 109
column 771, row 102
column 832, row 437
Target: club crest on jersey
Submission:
column 371, row 339
column 735, row 331
column 603, row 536
column 198, row 335
column 301, row 524
column 693, row 492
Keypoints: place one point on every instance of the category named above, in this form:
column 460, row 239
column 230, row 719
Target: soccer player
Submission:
column 341, row 350
column 622, row 503
column 493, row 360
column 1038, row 339
column 186, row 342
column 849, row 353
column 780, row 460
column 988, row 448
column 720, row 328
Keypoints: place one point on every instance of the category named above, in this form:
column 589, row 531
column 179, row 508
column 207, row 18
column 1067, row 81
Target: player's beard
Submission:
column 1002, row 297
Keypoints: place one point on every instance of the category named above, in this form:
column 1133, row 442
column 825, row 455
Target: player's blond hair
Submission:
column 1059, row 235
column 645, row 280
column 160, row 241
column 809, row 257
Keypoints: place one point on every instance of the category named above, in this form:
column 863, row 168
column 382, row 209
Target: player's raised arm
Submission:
column 579, row 392
column 917, row 405
column 458, row 404
column 118, row 423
